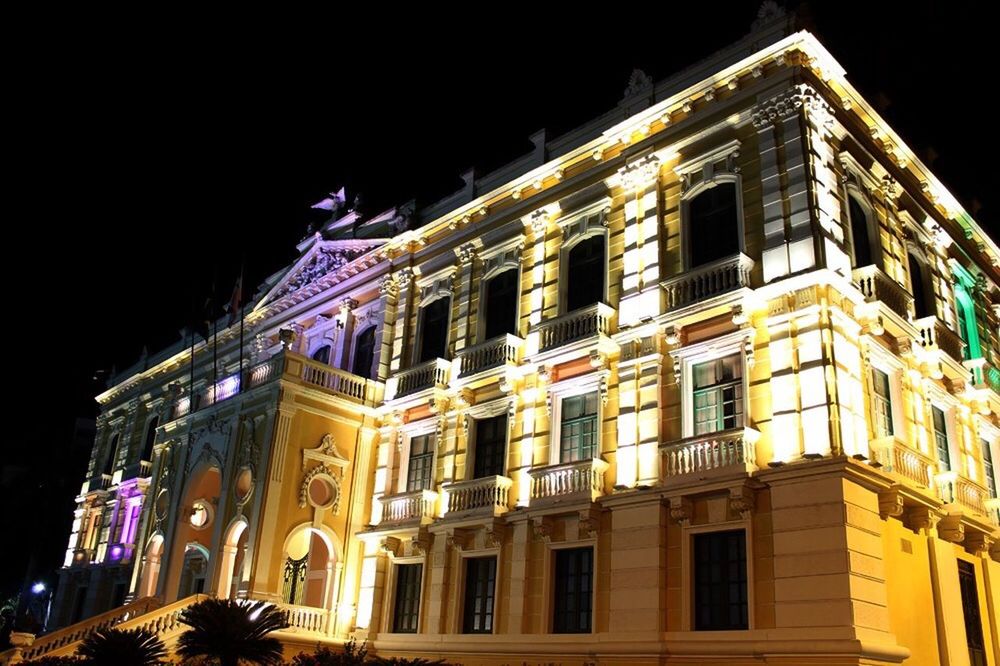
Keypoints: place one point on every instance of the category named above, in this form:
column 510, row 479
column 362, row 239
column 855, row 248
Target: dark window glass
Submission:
column 420, row 473
column 713, row 225
column 480, row 591
column 434, row 331
column 78, row 604
column 883, row 404
column 574, row 591
column 720, row 581
column 294, row 579
column 991, row 479
column 406, row 613
column 941, row 439
column 147, row 447
column 112, row 454
column 918, row 282
column 970, row 611
column 718, row 395
column 578, row 428
column 585, row 274
column 860, row 234
column 500, row 304
column 322, row 355
column 364, row 353
column 491, row 445
column 118, row 595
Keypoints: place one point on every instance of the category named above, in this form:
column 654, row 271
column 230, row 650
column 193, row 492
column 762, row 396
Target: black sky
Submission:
column 146, row 153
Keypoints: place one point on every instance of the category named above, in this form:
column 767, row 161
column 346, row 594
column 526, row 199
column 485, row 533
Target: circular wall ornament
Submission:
column 201, row 514
column 162, row 504
column 244, row 484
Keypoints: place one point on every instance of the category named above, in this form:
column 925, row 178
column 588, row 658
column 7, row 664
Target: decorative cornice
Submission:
column 789, row 102
column 640, row 174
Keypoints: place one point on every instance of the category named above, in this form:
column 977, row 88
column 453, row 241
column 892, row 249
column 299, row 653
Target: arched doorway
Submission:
column 307, row 578
column 194, row 528
column 194, row 575
column 151, row 566
column 231, row 562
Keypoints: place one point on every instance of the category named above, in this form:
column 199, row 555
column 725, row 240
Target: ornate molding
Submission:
column 326, row 453
column 541, row 527
column 681, row 511
column 741, row 501
column 640, row 174
column 890, row 503
column 790, row 102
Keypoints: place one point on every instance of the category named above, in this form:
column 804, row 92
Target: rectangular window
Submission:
column 941, row 439
column 578, row 428
column 882, row 399
column 991, row 479
column 480, row 592
column 491, row 446
column 720, row 581
column 718, row 395
column 970, row 612
column 574, row 591
column 420, row 473
column 406, row 612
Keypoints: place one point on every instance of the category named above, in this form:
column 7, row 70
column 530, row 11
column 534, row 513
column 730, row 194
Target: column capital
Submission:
column 640, row 174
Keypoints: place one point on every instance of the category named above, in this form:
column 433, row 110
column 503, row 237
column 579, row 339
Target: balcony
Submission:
column 704, row 282
column 145, row 468
column 589, row 322
column 879, row 287
column 498, row 352
column 488, row 496
column 306, row 619
column 564, row 482
column 933, row 334
column 418, row 506
column 711, row 455
column 956, row 489
column 897, row 458
column 432, row 374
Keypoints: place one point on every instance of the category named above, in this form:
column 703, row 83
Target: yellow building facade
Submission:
column 715, row 383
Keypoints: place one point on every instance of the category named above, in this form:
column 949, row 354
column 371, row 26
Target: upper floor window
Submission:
column 585, row 273
column 863, row 243
column 941, row 439
column 578, row 435
column 322, row 355
column 500, row 304
column 574, row 591
column 406, row 610
column 364, row 353
column 991, row 479
column 433, row 329
column 490, row 446
column 882, row 403
column 420, row 468
column 713, row 224
column 480, row 594
column 112, row 455
column 147, row 447
column 720, row 581
column 718, row 394
column 923, row 301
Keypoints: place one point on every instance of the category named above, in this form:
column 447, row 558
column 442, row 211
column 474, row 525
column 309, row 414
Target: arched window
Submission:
column 713, row 225
column 147, row 447
column 500, row 304
column 322, row 355
column 434, row 329
column 112, row 454
column 585, row 273
column 923, row 304
column 364, row 353
column 861, row 235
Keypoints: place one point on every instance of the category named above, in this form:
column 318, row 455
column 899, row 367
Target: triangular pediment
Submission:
column 323, row 264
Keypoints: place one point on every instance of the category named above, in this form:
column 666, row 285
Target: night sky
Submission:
column 147, row 154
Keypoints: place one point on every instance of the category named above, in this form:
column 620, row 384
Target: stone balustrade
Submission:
column 731, row 450
column 488, row 495
column 704, row 282
column 568, row 481
column 591, row 321
column 494, row 353
column 896, row 457
column 416, row 506
column 879, row 287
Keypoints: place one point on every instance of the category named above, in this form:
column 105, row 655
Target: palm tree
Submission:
column 111, row 647
column 232, row 632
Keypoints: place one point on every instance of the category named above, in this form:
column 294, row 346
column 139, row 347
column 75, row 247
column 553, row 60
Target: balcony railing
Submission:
column 581, row 324
column 432, row 374
column 567, row 481
column 703, row 282
column 732, row 450
column 896, row 457
column 877, row 286
column 419, row 506
column 934, row 334
column 342, row 383
column 306, row 618
column 488, row 495
column 955, row 489
column 494, row 353
column 145, row 468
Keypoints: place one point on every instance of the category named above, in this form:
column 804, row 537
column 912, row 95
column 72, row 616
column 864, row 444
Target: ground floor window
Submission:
column 406, row 612
column 720, row 581
column 480, row 593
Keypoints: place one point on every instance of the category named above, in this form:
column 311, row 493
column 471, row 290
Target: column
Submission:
column 641, row 295
column 342, row 351
column 385, row 333
column 263, row 587
column 463, row 306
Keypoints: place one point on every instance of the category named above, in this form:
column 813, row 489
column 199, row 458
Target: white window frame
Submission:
column 885, row 361
column 990, row 434
column 365, row 317
column 709, row 350
column 423, row 427
column 432, row 288
column 486, row 410
column 705, row 163
column 577, row 226
column 458, row 607
column 570, row 388
column 389, row 617
column 500, row 259
column 863, row 198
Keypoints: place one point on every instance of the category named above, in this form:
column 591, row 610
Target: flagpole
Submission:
column 241, row 325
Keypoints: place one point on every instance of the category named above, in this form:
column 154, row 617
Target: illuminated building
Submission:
column 715, row 377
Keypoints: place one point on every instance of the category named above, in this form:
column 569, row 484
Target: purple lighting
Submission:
column 116, row 552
